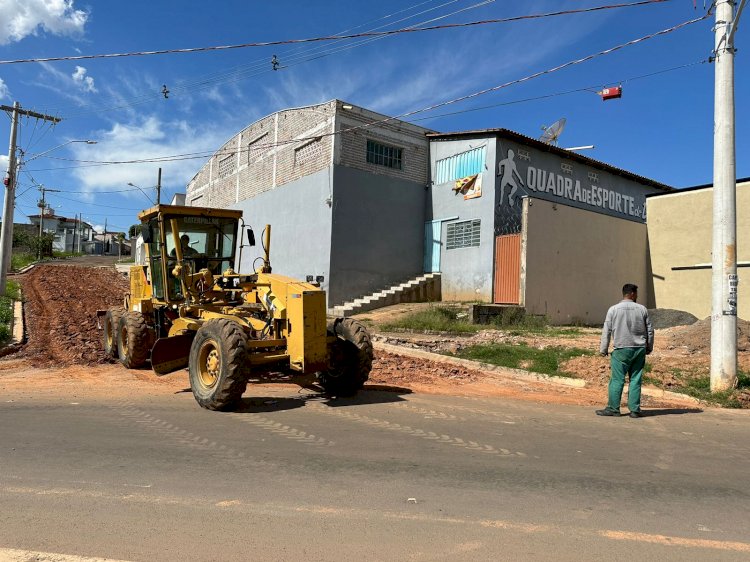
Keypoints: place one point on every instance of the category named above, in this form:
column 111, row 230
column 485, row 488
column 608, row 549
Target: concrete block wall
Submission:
column 266, row 156
column 352, row 145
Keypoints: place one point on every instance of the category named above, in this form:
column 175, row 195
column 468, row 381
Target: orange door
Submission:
column 508, row 269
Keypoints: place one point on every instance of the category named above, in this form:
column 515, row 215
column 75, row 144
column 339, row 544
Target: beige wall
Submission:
column 575, row 262
column 680, row 235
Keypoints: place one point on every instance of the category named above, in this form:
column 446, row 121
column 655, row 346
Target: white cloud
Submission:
column 21, row 18
column 86, row 83
column 144, row 138
column 4, row 92
column 3, row 164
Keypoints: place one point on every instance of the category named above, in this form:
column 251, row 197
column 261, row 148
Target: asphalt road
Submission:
column 385, row 476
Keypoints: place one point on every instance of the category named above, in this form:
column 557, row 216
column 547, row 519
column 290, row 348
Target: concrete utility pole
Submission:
column 158, row 188
column 42, row 206
column 6, row 237
column 724, row 264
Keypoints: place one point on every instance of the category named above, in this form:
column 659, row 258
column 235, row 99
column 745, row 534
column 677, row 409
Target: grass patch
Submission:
column 546, row 361
column 435, row 319
column 7, row 301
column 21, row 260
column 699, row 386
column 456, row 320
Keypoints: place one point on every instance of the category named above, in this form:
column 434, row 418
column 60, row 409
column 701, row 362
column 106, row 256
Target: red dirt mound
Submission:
column 697, row 337
column 60, row 309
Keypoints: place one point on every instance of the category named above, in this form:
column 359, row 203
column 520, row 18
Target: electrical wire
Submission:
column 335, row 37
column 260, row 66
column 476, row 94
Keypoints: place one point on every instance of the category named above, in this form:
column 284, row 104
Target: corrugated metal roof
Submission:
column 518, row 137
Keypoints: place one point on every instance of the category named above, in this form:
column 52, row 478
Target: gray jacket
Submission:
column 631, row 326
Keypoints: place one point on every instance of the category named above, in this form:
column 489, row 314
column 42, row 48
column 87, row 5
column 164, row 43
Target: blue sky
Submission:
column 661, row 128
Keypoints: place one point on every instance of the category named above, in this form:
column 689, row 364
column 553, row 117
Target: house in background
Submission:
column 70, row 235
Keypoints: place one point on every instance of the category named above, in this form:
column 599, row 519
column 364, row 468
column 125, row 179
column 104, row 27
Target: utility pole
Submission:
column 724, row 249
column 158, row 188
column 42, row 206
column 6, row 236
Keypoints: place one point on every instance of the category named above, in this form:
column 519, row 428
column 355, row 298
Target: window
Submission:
column 257, row 147
column 566, row 167
column 384, row 155
column 460, row 165
column 226, row 166
column 307, row 152
column 593, row 176
column 524, row 154
column 463, row 234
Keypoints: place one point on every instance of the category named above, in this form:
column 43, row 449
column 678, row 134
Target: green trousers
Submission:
column 626, row 361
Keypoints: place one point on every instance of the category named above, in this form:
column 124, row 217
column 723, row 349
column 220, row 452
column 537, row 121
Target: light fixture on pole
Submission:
column 39, row 155
column 144, row 193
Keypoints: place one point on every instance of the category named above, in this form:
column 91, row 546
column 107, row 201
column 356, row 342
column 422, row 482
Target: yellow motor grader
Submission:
column 188, row 307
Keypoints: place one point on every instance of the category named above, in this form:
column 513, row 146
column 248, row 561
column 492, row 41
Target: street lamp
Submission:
column 35, row 156
column 131, row 184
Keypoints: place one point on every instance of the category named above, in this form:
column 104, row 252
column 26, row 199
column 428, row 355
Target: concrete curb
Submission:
column 26, row 269
column 517, row 374
column 18, row 326
column 668, row 394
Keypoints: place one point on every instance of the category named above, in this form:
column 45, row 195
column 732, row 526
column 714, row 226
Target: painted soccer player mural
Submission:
column 506, row 168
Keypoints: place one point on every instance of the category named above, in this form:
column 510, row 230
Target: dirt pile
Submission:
column 394, row 369
column 662, row 318
column 61, row 305
column 696, row 338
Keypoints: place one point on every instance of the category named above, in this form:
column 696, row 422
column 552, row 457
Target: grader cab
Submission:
column 188, row 307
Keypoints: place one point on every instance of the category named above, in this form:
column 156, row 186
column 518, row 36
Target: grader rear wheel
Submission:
column 133, row 339
column 109, row 332
column 218, row 356
column 350, row 358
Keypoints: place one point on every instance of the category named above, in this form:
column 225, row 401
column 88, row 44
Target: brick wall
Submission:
column 294, row 143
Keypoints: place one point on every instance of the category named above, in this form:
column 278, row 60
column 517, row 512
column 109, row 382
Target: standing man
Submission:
column 633, row 339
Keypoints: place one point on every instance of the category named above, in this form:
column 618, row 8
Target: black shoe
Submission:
column 637, row 414
column 607, row 412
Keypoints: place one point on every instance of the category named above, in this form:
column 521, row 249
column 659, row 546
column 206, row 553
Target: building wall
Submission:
column 271, row 152
column 575, row 262
column 377, row 233
column 466, row 272
column 680, row 230
column 300, row 227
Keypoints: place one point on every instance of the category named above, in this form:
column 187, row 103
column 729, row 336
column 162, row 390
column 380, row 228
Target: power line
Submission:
column 260, row 66
column 336, row 37
column 199, row 155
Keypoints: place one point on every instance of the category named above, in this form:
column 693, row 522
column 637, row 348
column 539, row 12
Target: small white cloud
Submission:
column 21, row 18
column 98, row 228
column 144, row 138
column 4, row 92
column 3, row 164
column 86, row 83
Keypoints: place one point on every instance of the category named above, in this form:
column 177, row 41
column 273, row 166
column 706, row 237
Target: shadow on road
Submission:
column 670, row 412
column 371, row 394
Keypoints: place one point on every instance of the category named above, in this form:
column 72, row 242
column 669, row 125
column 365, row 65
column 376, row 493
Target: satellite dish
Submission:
column 553, row 132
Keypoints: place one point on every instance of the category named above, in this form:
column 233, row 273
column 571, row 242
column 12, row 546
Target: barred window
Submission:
column 384, row 155
column 227, row 166
column 566, row 167
column 463, row 234
column 307, row 152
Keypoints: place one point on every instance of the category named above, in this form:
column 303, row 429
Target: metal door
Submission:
column 508, row 269
column 432, row 230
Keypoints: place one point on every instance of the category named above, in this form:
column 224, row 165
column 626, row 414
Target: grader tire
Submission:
column 218, row 364
column 350, row 358
column 133, row 339
column 109, row 331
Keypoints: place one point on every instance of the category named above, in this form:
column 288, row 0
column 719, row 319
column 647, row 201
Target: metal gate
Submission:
column 508, row 269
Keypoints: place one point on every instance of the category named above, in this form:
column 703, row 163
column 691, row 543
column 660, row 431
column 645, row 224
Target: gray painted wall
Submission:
column 467, row 272
column 377, row 233
column 300, row 227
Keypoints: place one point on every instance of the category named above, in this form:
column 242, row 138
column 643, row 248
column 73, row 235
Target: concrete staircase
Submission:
column 424, row 288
